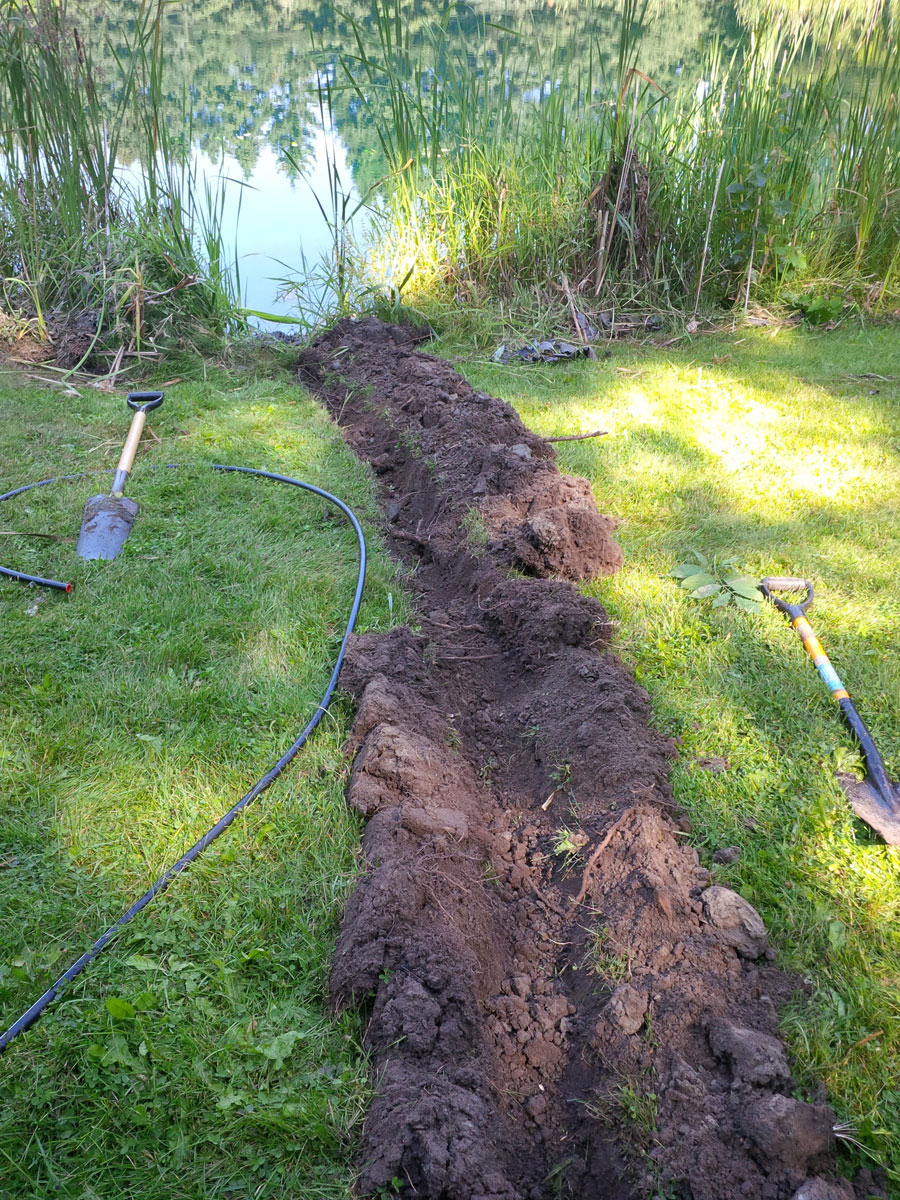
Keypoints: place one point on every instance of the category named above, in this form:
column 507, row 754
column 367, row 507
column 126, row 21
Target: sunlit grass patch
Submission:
column 198, row 1057
column 782, row 452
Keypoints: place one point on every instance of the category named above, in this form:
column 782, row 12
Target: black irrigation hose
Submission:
column 29, row 1017
column 23, row 576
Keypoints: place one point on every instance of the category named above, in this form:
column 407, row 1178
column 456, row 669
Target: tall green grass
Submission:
column 142, row 249
column 856, row 18
column 774, row 174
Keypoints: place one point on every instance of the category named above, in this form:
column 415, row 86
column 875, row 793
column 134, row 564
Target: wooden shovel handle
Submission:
column 130, row 449
column 142, row 403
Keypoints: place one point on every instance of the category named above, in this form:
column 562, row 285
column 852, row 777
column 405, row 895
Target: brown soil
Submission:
column 560, row 1004
column 69, row 339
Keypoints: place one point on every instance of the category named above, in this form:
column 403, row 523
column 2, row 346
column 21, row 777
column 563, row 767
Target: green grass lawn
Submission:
column 137, row 710
column 770, row 448
column 197, row 1057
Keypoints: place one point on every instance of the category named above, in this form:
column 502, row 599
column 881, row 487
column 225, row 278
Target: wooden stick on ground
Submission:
column 576, row 437
column 593, row 860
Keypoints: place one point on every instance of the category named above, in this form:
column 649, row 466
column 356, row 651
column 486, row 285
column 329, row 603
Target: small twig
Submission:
column 601, row 250
column 107, row 383
column 551, row 904
column 442, row 658
column 593, row 860
column 572, row 313
column 408, row 537
column 54, row 537
column 70, row 391
column 576, row 437
column 856, row 1045
column 626, row 167
column 109, row 444
column 452, row 628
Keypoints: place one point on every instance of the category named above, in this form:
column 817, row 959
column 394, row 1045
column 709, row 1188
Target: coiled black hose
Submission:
column 32, row 1014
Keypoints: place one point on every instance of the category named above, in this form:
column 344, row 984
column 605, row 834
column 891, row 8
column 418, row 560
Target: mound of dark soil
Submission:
column 561, row 1004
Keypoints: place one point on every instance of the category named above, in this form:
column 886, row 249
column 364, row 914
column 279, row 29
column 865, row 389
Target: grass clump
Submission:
column 139, row 250
column 197, row 1057
column 780, row 452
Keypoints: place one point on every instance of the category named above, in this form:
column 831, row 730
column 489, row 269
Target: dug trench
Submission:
column 561, row 1002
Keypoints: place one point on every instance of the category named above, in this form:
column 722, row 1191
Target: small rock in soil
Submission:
column 825, row 1189
column 727, row 855
column 738, row 922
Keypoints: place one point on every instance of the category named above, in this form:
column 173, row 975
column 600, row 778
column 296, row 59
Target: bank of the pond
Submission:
column 198, row 1057
column 773, row 175
column 779, row 449
column 136, row 255
column 456, row 170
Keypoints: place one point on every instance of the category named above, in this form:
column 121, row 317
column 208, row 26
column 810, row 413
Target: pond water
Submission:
column 242, row 74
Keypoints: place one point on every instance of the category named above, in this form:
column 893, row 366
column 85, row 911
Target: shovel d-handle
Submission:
column 773, row 584
column 142, row 403
column 876, row 773
column 796, row 614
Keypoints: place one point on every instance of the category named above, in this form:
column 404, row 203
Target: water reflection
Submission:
column 240, row 89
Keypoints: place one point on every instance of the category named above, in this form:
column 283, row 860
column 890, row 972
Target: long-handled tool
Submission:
column 108, row 519
column 876, row 800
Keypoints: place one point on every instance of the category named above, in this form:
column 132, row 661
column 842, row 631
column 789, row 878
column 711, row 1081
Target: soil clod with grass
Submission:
column 563, row 1002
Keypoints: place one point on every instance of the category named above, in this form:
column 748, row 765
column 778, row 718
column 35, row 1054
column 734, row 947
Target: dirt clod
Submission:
column 727, row 855
column 788, row 1132
column 825, row 1189
column 542, row 959
column 627, row 1008
column 753, row 1057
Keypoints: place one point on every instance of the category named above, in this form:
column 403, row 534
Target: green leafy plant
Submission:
column 391, row 1190
column 568, row 845
column 818, row 310
column 718, row 580
column 603, row 958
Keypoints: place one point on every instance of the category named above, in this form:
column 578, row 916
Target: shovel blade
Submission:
column 105, row 526
column 880, row 813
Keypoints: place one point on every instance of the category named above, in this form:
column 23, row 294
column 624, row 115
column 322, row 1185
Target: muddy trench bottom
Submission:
column 561, row 1001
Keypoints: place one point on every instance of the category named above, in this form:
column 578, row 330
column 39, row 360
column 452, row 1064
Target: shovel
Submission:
column 876, row 800
column 108, row 519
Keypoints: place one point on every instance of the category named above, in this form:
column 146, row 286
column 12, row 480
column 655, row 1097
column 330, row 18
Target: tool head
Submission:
column 105, row 526
column 881, row 813
column 108, row 519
